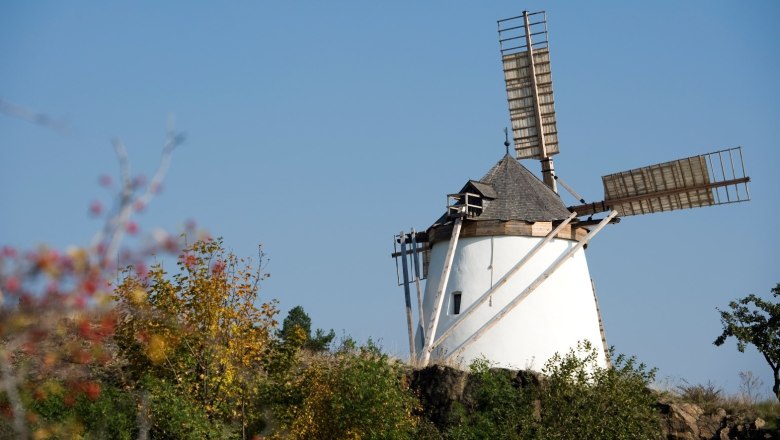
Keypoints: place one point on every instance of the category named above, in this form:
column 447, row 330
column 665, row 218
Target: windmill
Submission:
column 505, row 268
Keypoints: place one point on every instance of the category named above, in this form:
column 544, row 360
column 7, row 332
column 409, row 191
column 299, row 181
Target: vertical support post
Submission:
column 548, row 169
column 548, row 172
column 445, row 277
column 416, row 270
column 407, row 297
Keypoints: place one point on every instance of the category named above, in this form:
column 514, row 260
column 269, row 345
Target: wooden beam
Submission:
column 445, row 276
column 606, row 205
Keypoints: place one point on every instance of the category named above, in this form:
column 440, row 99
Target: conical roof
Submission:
column 520, row 195
column 511, row 192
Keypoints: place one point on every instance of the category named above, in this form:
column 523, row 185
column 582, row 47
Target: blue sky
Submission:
column 320, row 129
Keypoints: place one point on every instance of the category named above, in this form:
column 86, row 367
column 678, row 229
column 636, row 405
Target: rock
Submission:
column 439, row 388
column 683, row 421
column 759, row 423
column 711, row 424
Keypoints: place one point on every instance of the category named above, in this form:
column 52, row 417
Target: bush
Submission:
column 706, row 395
column 580, row 399
column 174, row 415
column 90, row 410
column 577, row 399
column 497, row 410
column 350, row 394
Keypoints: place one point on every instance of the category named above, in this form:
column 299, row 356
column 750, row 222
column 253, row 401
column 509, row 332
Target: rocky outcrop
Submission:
column 687, row 421
column 444, row 390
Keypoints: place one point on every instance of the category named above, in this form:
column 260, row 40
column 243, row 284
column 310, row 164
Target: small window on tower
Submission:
column 456, row 303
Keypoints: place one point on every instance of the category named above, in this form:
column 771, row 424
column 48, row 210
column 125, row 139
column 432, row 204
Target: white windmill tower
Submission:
column 507, row 277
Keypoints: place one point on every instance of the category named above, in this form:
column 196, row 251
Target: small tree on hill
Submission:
column 296, row 330
column 754, row 320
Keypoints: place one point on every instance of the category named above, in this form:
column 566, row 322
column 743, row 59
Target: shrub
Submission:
column 497, row 409
column 580, row 399
column 175, row 415
column 576, row 399
column 706, row 395
column 89, row 410
column 351, row 394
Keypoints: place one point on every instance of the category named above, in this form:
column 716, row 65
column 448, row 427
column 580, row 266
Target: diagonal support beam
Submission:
column 500, row 283
column 528, row 290
column 445, row 277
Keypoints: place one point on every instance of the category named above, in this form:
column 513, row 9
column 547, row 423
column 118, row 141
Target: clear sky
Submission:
column 320, row 129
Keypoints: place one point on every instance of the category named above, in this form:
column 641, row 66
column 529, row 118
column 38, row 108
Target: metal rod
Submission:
column 408, row 299
column 394, row 255
column 723, row 172
column 733, row 173
column 570, row 190
column 503, row 280
column 533, row 286
column 747, row 192
column 512, row 18
column 431, row 332
column 712, row 171
column 511, row 28
column 416, row 267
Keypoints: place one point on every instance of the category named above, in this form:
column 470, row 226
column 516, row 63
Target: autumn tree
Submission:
column 200, row 330
column 756, row 321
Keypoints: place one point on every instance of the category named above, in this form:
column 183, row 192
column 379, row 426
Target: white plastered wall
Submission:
column 553, row 318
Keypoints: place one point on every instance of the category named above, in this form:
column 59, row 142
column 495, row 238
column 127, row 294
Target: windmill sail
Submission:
column 709, row 179
column 529, row 85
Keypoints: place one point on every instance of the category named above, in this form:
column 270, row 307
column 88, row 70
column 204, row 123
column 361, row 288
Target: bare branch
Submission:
column 114, row 231
column 28, row 115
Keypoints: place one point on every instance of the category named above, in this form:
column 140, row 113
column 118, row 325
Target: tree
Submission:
column 296, row 331
column 203, row 330
column 754, row 320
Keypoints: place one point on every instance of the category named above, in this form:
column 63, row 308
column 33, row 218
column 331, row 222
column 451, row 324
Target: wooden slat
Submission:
column 526, row 129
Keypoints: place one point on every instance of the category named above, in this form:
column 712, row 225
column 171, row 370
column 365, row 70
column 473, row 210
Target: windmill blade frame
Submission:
column 709, row 179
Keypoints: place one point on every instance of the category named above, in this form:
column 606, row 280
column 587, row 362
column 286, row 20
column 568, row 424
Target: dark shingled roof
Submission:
column 485, row 189
column 519, row 195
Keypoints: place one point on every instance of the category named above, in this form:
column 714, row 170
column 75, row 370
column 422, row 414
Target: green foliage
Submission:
column 350, row 394
column 580, row 399
column 499, row 409
column 577, row 399
column 175, row 415
column 296, row 331
column 755, row 321
column 95, row 411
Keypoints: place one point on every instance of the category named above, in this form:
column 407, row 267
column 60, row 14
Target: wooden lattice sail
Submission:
column 709, row 179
